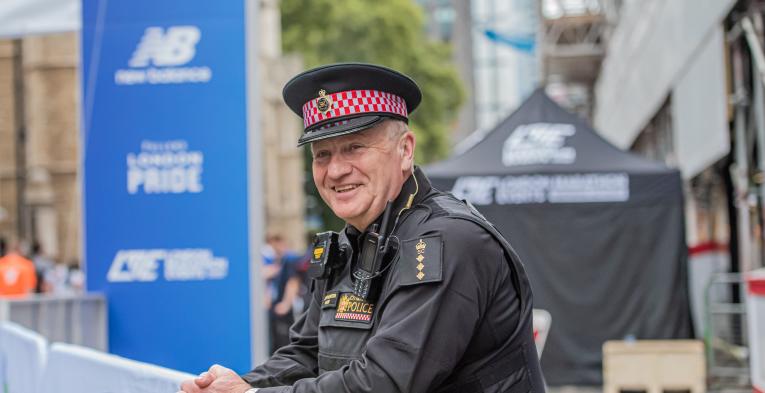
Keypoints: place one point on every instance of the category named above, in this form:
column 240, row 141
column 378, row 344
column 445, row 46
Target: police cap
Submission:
column 340, row 99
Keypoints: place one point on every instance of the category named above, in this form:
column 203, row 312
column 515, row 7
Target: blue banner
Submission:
column 524, row 43
column 165, row 178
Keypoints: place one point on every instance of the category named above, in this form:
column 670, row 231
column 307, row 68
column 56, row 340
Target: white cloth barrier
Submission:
column 74, row 369
column 22, row 358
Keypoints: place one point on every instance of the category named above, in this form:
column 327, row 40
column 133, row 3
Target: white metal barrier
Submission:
column 76, row 319
column 75, row 369
column 23, row 356
column 755, row 304
column 29, row 365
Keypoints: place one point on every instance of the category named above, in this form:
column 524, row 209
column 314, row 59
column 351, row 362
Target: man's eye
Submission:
column 356, row 147
column 321, row 154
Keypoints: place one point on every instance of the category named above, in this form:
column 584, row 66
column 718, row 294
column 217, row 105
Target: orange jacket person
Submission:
column 17, row 275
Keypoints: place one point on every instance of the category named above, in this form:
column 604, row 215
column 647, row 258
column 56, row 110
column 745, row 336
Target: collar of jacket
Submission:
column 416, row 188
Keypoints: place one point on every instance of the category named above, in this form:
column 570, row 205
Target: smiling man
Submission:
column 418, row 293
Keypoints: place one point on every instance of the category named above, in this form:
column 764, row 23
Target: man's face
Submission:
column 357, row 174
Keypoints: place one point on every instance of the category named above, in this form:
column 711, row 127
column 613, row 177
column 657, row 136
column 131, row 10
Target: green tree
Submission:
column 386, row 32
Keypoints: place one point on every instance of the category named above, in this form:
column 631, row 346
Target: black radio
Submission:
column 369, row 266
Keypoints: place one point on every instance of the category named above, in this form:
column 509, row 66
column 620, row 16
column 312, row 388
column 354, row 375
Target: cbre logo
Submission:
column 160, row 58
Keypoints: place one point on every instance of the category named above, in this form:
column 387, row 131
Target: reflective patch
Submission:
column 330, row 300
column 354, row 309
column 318, row 252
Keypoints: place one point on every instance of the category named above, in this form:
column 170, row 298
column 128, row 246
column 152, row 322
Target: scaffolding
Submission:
column 725, row 333
column 573, row 34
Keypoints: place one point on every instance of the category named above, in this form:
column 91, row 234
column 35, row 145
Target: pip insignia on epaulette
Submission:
column 420, row 261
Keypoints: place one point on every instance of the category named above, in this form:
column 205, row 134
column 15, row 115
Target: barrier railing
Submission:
column 75, row 319
column 75, row 369
column 23, row 354
column 29, row 365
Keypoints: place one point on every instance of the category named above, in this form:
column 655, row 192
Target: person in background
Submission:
column 76, row 277
column 18, row 276
column 43, row 265
column 283, row 288
column 56, row 279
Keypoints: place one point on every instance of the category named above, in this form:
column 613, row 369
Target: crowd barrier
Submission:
column 26, row 358
column 29, row 365
column 23, row 355
column 75, row 319
column 75, row 369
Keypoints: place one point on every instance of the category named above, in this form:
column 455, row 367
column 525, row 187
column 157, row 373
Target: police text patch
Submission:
column 420, row 260
column 354, row 309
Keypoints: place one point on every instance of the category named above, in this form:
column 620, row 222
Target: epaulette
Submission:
column 420, row 260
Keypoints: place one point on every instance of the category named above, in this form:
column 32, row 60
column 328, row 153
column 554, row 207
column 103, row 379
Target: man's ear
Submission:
column 406, row 149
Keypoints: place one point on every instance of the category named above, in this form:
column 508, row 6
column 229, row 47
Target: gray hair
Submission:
column 396, row 128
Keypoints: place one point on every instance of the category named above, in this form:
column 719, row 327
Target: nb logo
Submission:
column 172, row 47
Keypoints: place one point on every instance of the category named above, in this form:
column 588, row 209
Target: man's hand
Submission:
column 282, row 308
column 216, row 380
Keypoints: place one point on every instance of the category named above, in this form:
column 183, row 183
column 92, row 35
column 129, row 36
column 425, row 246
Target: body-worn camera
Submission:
column 327, row 256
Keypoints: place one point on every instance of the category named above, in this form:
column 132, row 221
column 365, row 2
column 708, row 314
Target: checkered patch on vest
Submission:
column 353, row 309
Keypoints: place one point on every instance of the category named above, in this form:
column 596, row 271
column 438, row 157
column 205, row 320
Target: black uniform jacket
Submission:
column 453, row 314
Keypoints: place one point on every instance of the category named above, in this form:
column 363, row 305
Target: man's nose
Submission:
column 338, row 167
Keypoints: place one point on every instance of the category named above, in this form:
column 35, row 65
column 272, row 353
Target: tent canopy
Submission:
column 599, row 230
column 542, row 137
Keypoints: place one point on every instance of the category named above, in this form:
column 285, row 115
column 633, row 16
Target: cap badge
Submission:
column 323, row 103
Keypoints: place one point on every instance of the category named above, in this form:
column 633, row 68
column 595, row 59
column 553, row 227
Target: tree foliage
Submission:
column 386, row 32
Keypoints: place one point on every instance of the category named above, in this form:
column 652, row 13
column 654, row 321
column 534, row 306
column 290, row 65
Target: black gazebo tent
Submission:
column 600, row 231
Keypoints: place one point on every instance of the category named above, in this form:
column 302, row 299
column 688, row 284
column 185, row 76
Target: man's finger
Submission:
column 188, row 386
column 204, row 380
column 218, row 370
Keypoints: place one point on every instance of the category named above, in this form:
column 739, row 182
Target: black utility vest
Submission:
column 516, row 359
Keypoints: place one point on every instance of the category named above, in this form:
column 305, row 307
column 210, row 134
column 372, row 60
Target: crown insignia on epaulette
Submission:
column 420, row 246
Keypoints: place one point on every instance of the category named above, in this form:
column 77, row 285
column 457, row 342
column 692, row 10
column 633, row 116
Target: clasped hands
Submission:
column 217, row 379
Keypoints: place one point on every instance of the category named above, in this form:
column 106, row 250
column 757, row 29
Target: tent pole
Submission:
column 758, row 107
column 740, row 170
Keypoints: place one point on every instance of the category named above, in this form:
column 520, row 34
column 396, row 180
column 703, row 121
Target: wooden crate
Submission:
column 654, row 366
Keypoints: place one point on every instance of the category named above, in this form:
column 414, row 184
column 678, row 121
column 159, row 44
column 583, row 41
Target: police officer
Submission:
column 418, row 293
